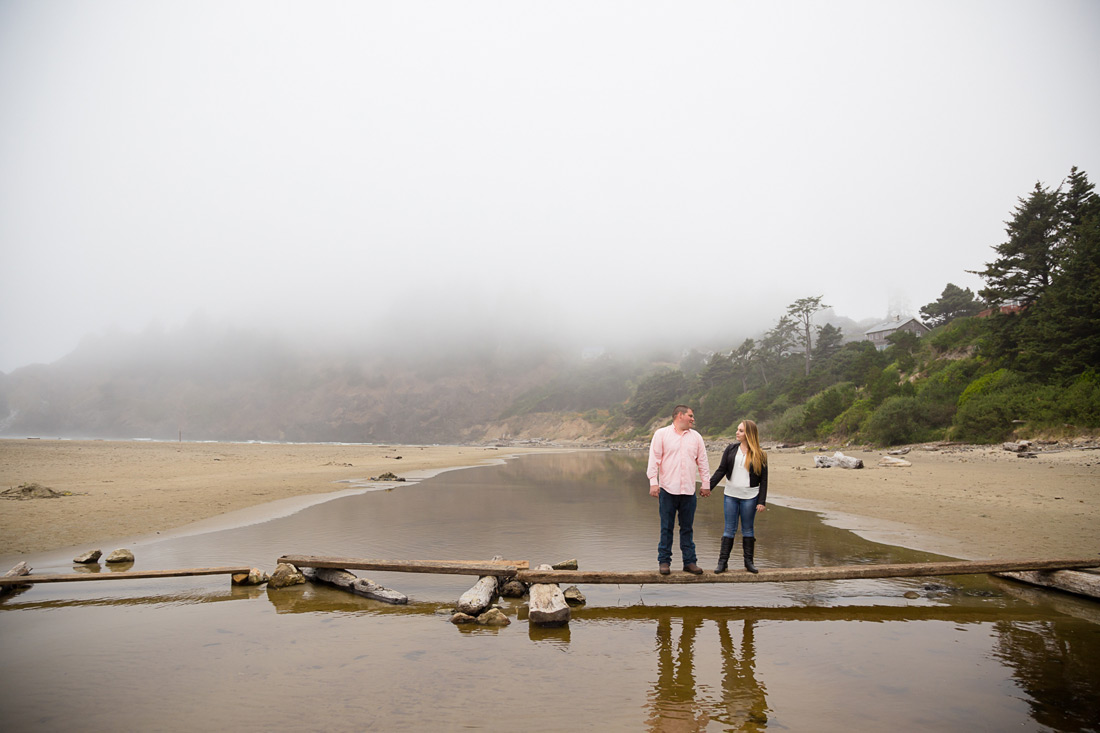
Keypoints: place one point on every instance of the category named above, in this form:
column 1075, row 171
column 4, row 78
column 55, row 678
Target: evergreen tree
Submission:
column 1062, row 334
column 743, row 358
column 954, row 302
column 775, row 345
column 1028, row 261
column 829, row 340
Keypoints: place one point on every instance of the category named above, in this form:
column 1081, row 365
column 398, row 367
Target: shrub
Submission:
column 903, row 419
column 854, row 420
column 790, row 425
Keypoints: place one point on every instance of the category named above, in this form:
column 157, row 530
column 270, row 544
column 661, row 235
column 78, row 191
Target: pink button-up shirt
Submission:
column 673, row 459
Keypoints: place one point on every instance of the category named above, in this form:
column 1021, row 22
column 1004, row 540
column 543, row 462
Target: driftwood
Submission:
column 1072, row 581
column 342, row 579
column 480, row 597
column 783, row 575
column 130, row 575
column 18, row 571
column 501, row 568
column 367, row 589
column 546, row 604
column 837, row 459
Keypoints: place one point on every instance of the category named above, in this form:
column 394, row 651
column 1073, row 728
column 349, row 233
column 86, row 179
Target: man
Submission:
column 675, row 454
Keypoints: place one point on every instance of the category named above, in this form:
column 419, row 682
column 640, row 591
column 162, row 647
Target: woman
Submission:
column 745, row 466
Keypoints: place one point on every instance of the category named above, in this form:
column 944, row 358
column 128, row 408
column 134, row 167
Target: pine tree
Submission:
column 1028, row 261
column 954, row 302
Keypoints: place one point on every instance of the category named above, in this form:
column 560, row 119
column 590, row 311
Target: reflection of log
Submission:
column 441, row 567
column 1071, row 581
column 129, row 575
column 782, row 575
column 546, row 603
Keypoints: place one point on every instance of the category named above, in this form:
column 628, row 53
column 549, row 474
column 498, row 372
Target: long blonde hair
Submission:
column 756, row 456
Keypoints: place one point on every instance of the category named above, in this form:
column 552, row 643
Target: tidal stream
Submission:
column 183, row 654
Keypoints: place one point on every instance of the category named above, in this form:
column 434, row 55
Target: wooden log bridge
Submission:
column 498, row 568
column 519, row 569
column 127, row 575
column 784, row 575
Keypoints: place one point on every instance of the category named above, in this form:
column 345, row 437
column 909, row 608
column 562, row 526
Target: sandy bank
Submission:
column 966, row 502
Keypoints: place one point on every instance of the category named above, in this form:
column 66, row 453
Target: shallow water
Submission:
column 969, row 652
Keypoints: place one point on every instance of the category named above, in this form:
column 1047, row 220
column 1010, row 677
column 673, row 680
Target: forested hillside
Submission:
column 1022, row 355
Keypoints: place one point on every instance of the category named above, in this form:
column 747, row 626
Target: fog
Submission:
column 600, row 173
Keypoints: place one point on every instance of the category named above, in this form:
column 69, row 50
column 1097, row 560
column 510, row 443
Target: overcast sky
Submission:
column 596, row 168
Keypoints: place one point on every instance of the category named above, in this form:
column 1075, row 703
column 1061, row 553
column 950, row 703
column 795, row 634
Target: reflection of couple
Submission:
column 675, row 454
column 743, row 705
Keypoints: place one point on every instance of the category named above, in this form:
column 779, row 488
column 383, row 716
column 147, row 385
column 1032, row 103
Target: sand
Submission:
column 960, row 501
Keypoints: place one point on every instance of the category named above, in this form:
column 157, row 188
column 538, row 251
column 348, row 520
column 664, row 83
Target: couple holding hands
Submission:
column 675, row 453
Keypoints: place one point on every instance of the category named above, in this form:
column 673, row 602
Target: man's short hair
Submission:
column 679, row 410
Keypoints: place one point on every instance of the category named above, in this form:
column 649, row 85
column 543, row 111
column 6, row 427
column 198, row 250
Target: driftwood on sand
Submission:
column 837, row 459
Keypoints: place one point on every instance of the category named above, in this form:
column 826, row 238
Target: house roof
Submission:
column 893, row 326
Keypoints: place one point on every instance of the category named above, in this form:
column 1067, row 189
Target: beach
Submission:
column 968, row 502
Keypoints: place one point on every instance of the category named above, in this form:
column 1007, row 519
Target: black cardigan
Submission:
column 725, row 469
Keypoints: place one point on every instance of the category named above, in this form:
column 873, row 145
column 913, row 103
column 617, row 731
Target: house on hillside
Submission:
column 877, row 334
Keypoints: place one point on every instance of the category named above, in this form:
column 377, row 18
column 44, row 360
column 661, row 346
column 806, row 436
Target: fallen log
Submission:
column 342, row 579
column 500, row 568
column 546, row 604
column 783, row 575
column 1071, row 581
column 128, row 575
column 837, row 459
column 476, row 600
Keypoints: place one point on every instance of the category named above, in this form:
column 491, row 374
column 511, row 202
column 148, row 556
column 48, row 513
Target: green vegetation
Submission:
column 1032, row 361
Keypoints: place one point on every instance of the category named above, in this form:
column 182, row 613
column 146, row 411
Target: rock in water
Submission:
column 493, row 617
column 120, row 555
column 574, row 597
column 92, row 556
column 254, row 576
column 285, row 575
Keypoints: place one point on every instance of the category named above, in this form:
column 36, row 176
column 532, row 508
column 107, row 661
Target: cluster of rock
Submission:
column 547, row 603
column 118, row 557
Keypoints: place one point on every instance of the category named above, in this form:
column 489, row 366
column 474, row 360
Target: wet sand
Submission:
column 966, row 502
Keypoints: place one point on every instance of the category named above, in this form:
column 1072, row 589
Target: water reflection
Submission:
column 951, row 653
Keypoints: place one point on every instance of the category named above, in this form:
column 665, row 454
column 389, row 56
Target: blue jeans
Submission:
column 743, row 508
column 673, row 507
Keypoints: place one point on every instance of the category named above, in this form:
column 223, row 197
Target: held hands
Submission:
column 704, row 491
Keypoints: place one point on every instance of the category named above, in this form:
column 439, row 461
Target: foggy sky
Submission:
column 599, row 169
